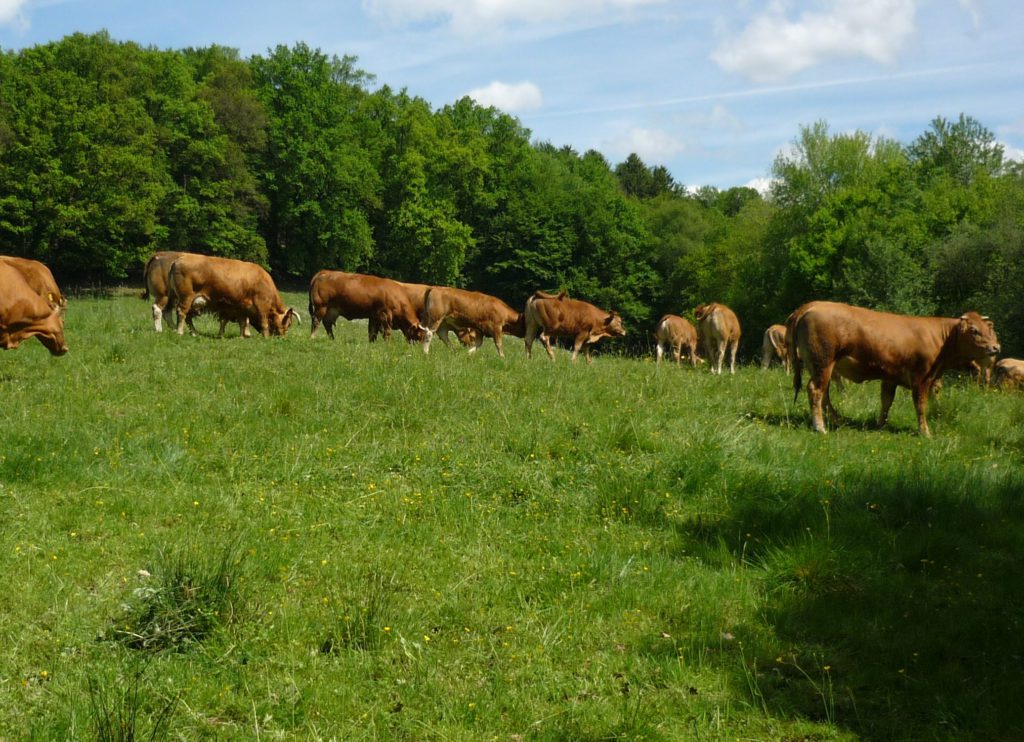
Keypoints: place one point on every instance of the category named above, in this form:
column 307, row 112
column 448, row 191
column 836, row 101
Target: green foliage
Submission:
column 109, row 151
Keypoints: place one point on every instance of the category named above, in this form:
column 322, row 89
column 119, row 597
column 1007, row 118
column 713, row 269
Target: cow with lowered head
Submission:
column 39, row 279
column 676, row 334
column 859, row 344
column 383, row 302
column 484, row 315
column 552, row 316
column 719, row 331
column 24, row 314
column 235, row 290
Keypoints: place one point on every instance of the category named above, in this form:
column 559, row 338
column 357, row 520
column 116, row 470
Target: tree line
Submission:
column 110, row 151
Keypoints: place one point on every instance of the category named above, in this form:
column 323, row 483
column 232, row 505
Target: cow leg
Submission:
column 183, row 308
column 158, row 315
column 580, row 341
column 733, row 347
column 529, row 336
column 223, row 326
column 677, row 353
column 658, row 353
column 921, row 404
column 888, row 395
column 243, row 327
column 719, row 358
column 693, row 355
column 497, row 342
column 544, row 338
column 817, row 394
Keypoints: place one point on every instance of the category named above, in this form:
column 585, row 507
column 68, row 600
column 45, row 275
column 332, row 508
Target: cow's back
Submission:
column 38, row 277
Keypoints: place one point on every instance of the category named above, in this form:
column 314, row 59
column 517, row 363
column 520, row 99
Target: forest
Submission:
column 296, row 160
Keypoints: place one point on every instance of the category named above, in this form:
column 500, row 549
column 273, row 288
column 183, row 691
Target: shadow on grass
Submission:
column 892, row 604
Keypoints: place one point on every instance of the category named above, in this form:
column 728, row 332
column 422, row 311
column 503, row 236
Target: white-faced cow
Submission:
column 383, row 302
column 719, row 332
column 774, row 346
column 457, row 309
column 676, row 334
column 1009, row 373
column 39, row 279
column 24, row 314
column 234, row 290
column 863, row 345
column 553, row 316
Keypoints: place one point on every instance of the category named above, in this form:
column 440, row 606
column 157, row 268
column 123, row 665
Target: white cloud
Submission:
column 653, row 146
column 471, row 15
column 515, row 98
column 11, row 13
column 773, row 47
column 762, row 185
column 1011, row 153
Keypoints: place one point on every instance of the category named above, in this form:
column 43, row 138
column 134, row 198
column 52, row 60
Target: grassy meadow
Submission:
column 294, row 538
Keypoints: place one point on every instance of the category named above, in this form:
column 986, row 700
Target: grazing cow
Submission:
column 458, row 309
column 383, row 302
column 719, row 331
column 157, row 287
column 1009, row 373
column 551, row 316
column 862, row 345
column 677, row 334
column 24, row 314
column 774, row 346
column 39, row 279
column 233, row 289
column 417, row 293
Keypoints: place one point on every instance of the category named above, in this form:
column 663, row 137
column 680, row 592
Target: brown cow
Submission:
column 774, row 346
column 235, row 290
column 24, row 314
column 39, row 279
column 678, row 334
column 719, row 331
column 863, row 345
column 417, row 293
column 383, row 302
column 1009, row 373
column 559, row 316
column 157, row 287
column 459, row 309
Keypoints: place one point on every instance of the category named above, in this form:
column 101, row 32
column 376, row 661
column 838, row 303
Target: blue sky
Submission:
column 713, row 90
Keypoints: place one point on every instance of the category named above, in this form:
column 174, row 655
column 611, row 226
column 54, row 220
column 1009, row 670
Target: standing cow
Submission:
column 458, row 309
column 158, row 288
column 233, row 289
column 39, row 279
column 774, row 346
column 24, row 314
column 383, row 302
column 719, row 331
column 863, row 345
column 551, row 316
column 677, row 334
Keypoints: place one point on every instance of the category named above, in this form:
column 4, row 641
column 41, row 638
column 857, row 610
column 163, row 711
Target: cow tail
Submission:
column 145, row 279
column 427, row 317
column 794, row 357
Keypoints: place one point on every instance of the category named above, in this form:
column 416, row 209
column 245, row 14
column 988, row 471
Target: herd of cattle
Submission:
column 831, row 340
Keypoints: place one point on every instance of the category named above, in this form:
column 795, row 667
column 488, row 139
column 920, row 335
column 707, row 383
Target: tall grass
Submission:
column 359, row 541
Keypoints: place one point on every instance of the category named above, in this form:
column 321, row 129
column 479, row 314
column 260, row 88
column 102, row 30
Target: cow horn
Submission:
column 296, row 315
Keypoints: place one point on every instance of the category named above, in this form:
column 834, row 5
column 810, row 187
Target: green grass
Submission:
column 352, row 541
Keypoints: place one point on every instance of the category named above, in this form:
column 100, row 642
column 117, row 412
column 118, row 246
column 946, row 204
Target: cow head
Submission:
column 415, row 333
column 49, row 331
column 281, row 321
column 613, row 325
column 976, row 337
column 701, row 311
